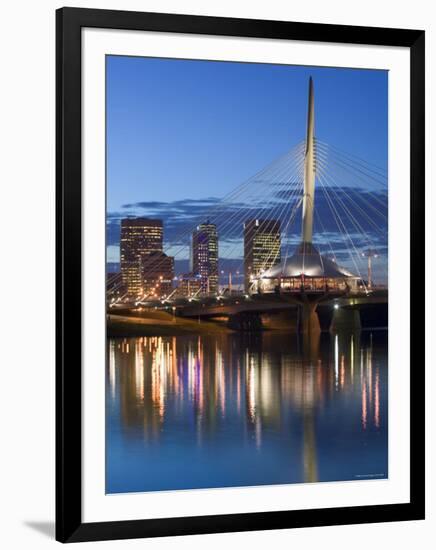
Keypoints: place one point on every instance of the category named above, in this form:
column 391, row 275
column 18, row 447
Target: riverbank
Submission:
column 159, row 324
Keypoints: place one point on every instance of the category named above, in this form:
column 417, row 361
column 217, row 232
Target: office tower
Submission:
column 205, row 257
column 261, row 247
column 139, row 238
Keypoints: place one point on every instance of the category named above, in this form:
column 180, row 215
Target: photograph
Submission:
column 224, row 210
column 246, row 274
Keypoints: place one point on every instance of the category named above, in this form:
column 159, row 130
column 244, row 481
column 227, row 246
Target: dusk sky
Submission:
column 182, row 134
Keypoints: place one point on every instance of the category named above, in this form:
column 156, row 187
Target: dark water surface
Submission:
column 189, row 412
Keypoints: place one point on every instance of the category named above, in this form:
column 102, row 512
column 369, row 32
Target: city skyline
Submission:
column 145, row 270
column 144, row 193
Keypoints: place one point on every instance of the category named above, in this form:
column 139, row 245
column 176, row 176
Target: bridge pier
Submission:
column 308, row 322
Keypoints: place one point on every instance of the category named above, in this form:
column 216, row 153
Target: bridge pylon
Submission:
column 309, row 173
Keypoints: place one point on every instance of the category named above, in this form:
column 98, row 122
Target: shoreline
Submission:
column 159, row 325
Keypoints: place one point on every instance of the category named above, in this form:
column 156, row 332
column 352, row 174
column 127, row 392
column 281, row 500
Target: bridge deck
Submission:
column 271, row 303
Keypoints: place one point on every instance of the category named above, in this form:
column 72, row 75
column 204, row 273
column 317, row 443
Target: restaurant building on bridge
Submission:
column 308, row 271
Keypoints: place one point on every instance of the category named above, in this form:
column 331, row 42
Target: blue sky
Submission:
column 181, row 131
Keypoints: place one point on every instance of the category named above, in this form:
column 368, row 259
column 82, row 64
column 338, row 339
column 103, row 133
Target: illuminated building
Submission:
column 205, row 256
column 261, row 247
column 140, row 237
column 157, row 274
column 188, row 286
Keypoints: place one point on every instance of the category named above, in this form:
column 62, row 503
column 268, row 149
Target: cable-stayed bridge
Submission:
column 307, row 230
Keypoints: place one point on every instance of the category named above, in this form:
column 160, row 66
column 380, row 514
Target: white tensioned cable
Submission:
column 328, row 161
column 342, row 231
column 258, row 214
column 269, row 207
column 133, row 263
column 291, row 218
column 278, row 210
column 318, row 217
column 118, row 300
column 369, row 166
column 294, row 209
column 294, row 202
column 222, row 228
column 278, row 170
column 355, row 204
column 364, row 191
column 116, row 287
column 288, row 244
column 375, row 186
column 291, row 205
column 290, row 159
column 255, row 185
column 233, row 215
column 235, row 218
column 273, row 216
column 380, row 179
column 112, row 278
column 323, row 163
column 353, row 219
column 355, row 222
column 275, row 164
column 352, row 251
column 291, row 202
column 325, row 185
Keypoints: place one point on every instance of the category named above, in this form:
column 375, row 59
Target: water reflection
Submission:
column 228, row 410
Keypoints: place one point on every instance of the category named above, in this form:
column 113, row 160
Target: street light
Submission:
column 230, row 279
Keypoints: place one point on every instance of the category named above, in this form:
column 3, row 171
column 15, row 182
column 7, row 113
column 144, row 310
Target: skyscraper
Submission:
column 205, row 256
column 262, row 245
column 139, row 238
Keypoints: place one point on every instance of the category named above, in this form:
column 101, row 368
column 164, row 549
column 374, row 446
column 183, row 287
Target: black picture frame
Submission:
column 69, row 23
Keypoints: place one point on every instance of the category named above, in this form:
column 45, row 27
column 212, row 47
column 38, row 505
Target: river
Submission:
column 232, row 410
